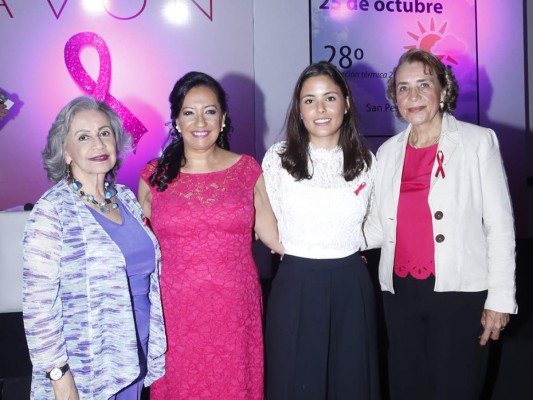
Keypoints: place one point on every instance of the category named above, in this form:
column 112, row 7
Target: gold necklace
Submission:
column 414, row 146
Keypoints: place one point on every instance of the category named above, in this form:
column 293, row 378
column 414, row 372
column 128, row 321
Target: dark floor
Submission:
column 510, row 374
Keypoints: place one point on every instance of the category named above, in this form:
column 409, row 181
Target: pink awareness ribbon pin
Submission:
column 359, row 188
column 99, row 89
column 440, row 160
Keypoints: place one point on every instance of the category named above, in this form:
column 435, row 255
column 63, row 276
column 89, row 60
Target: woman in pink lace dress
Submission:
column 205, row 202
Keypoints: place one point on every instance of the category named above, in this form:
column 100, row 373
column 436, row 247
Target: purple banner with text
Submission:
column 365, row 38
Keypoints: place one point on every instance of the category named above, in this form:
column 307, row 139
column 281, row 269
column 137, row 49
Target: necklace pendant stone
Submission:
column 110, row 193
column 76, row 185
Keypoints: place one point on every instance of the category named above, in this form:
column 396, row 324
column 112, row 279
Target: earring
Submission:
column 178, row 129
column 441, row 105
column 68, row 174
column 74, row 183
column 223, row 126
column 345, row 111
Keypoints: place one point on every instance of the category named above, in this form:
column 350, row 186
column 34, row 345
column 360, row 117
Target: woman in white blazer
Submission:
column 442, row 216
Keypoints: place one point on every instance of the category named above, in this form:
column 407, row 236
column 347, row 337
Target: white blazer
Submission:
column 471, row 210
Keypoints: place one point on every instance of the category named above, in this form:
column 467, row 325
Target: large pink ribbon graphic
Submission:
column 99, row 89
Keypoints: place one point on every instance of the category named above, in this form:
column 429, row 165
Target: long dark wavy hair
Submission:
column 173, row 158
column 295, row 155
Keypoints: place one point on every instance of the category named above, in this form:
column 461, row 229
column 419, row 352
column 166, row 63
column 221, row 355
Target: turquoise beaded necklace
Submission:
column 105, row 205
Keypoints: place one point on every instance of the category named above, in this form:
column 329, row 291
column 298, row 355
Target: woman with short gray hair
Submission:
column 91, row 297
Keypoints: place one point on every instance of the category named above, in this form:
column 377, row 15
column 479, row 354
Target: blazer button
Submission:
column 439, row 238
column 438, row 215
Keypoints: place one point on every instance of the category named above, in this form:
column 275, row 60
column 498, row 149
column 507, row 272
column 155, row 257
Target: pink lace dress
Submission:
column 210, row 287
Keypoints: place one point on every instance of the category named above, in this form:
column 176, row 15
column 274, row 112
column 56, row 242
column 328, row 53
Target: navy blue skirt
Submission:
column 321, row 338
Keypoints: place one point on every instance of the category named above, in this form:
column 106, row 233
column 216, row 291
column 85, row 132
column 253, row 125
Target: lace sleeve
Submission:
column 371, row 172
column 148, row 170
column 372, row 231
column 272, row 171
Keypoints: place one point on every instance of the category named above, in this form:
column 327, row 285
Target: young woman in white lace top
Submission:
column 320, row 327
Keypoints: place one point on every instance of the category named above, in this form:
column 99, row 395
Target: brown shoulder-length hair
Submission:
column 432, row 65
column 295, row 154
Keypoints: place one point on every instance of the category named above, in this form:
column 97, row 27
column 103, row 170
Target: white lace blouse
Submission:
column 319, row 217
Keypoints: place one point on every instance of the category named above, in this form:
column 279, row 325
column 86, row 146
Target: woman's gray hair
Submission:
column 53, row 154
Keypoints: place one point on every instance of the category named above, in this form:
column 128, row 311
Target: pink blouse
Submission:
column 414, row 232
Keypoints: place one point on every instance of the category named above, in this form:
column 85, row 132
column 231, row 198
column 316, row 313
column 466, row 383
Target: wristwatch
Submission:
column 57, row 373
